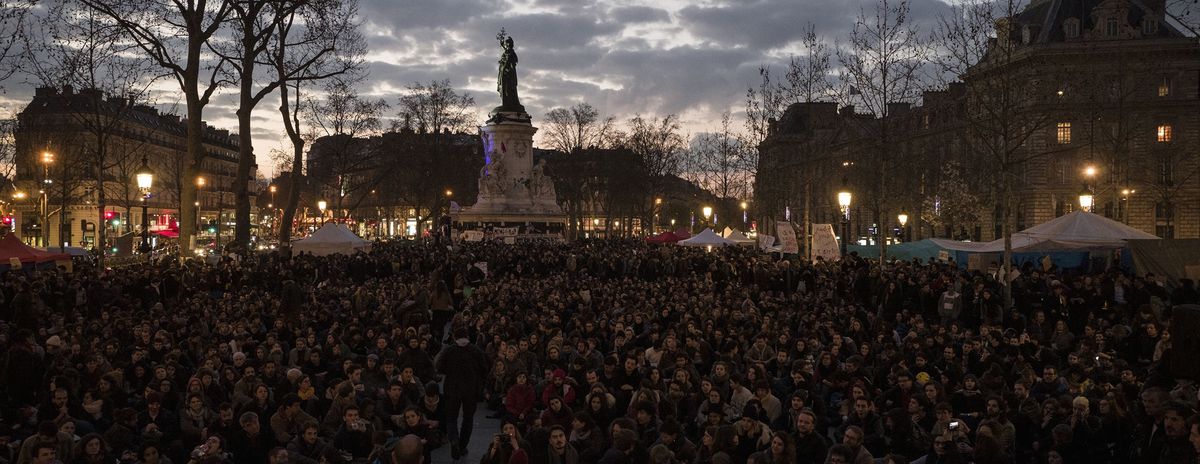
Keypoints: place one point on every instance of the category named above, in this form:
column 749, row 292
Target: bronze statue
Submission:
column 506, row 81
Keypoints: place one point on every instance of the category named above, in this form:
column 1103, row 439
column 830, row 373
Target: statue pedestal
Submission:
column 513, row 192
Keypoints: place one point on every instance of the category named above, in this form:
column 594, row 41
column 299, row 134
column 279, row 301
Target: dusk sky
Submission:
column 693, row 58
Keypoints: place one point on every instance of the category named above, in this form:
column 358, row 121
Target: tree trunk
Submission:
column 241, row 230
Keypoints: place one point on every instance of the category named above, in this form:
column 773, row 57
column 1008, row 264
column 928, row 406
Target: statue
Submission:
column 506, row 80
column 494, row 181
column 539, row 183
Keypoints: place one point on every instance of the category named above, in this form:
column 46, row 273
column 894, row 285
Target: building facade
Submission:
column 1102, row 98
column 77, row 150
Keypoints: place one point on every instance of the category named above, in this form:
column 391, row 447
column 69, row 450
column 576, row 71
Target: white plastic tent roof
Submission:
column 1078, row 230
column 740, row 238
column 706, row 238
column 331, row 239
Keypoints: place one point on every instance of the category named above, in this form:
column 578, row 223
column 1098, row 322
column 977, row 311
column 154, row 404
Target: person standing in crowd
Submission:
column 465, row 368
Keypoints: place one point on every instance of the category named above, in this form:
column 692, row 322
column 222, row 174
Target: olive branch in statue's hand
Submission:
column 501, row 35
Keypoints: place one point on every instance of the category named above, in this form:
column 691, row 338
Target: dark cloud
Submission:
column 622, row 56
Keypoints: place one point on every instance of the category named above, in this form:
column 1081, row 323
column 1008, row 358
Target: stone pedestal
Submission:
column 513, row 190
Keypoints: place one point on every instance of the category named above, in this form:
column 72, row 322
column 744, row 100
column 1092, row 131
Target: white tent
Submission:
column 331, row 239
column 706, row 238
column 736, row 236
column 1077, row 231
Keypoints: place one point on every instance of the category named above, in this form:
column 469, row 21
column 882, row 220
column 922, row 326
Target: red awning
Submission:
column 11, row 247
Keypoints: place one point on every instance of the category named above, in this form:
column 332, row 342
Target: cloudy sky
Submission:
column 693, row 58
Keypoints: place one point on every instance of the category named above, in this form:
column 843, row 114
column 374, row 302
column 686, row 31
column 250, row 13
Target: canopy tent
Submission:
column 12, row 251
column 665, row 237
column 706, row 238
column 331, row 238
column 1076, row 231
column 1176, row 259
column 736, row 236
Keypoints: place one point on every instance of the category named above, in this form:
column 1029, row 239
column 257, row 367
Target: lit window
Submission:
column 1110, row 27
column 1064, row 132
column 1164, row 132
column 1164, row 87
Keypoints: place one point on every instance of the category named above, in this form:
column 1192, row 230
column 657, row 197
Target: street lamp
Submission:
column 1085, row 199
column 707, row 211
column 745, row 218
column 321, row 205
column 47, row 160
column 657, row 210
column 903, row 219
column 844, row 198
column 145, row 180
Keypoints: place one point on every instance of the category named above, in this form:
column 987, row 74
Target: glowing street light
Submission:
column 707, row 211
column 1085, row 200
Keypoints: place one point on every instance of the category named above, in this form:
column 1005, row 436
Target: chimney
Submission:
column 45, row 92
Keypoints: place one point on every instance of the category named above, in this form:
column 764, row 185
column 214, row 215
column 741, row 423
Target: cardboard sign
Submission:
column 14, row 262
column 787, row 237
column 944, row 256
column 506, row 231
column 471, row 236
column 824, row 243
column 765, row 242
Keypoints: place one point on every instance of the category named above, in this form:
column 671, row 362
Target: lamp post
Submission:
column 321, row 205
column 657, row 210
column 902, row 218
column 745, row 218
column 844, row 198
column 1086, row 199
column 1125, row 193
column 707, row 211
column 145, row 180
column 200, row 181
column 44, row 203
column 271, row 208
column 1089, row 172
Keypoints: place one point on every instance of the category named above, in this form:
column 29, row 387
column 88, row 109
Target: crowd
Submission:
column 591, row 352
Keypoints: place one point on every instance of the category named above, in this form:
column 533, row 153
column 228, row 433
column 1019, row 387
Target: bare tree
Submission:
column 8, row 150
column 1004, row 109
column 428, row 168
column 721, row 162
column 321, row 42
column 346, row 165
column 881, row 66
column 659, row 144
column 259, row 26
column 175, row 34
column 14, row 20
column 77, row 46
column 807, row 80
column 576, row 128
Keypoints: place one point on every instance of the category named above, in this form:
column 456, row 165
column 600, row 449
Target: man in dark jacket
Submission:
column 250, row 444
column 811, row 447
column 465, row 368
